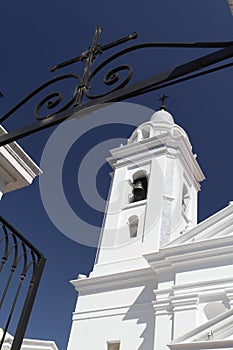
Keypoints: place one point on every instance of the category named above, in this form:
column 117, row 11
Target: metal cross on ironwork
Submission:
column 89, row 56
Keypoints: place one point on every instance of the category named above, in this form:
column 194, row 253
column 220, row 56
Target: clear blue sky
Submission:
column 35, row 35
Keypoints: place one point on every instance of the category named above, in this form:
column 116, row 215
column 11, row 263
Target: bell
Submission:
column 138, row 191
column 138, row 186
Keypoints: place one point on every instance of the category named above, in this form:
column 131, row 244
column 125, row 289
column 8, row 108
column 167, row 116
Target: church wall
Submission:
column 104, row 330
column 114, row 314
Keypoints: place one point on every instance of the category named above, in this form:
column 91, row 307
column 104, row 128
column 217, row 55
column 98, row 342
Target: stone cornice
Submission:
column 195, row 255
column 188, row 296
column 175, row 146
column 125, row 279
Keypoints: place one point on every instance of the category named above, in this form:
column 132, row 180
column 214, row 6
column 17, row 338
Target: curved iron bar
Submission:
column 16, row 260
column 10, row 249
column 181, row 80
column 22, row 279
column 21, row 237
column 34, row 262
column 27, row 307
column 12, row 310
column 50, row 103
column 6, row 246
column 13, row 267
column 112, row 77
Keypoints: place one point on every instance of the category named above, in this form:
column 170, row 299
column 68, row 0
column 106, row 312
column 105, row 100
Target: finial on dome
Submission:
column 163, row 99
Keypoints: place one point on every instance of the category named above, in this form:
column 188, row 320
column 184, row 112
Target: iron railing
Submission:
column 21, row 267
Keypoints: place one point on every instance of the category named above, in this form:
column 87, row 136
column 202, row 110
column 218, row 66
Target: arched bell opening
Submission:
column 139, row 187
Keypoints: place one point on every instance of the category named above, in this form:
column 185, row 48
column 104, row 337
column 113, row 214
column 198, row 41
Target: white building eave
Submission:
column 34, row 344
column 17, row 169
column 203, row 254
column 218, row 225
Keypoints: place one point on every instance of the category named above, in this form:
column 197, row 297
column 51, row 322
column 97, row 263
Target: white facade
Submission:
column 160, row 280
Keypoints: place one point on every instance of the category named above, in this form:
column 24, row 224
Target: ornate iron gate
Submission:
column 21, row 267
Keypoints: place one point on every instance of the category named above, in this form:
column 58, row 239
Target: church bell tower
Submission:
column 152, row 201
column 153, row 197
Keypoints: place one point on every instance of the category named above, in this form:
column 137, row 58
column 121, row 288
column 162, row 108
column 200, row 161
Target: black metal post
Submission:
column 28, row 304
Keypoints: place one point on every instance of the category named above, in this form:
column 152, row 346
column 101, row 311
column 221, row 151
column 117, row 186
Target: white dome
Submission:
column 161, row 122
column 162, row 116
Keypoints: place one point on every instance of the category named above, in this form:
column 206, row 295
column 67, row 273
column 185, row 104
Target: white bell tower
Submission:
column 152, row 201
column 153, row 197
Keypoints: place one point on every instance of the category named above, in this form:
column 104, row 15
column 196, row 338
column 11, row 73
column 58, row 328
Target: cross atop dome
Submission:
column 163, row 99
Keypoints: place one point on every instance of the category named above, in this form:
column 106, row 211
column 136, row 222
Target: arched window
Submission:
column 141, row 133
column 185, row 197
column 133, row 226
column 145, row 132
column 140, row 184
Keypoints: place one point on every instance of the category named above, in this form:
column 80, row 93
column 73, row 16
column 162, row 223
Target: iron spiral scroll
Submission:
column 50, row 101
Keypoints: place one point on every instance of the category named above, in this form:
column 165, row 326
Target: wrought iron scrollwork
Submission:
column 52, row 109
column 50, row 101
column 54, row 99
column 113, row 77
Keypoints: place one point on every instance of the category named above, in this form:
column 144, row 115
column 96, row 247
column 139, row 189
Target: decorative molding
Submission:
column 123, row 280
column 185, row 297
